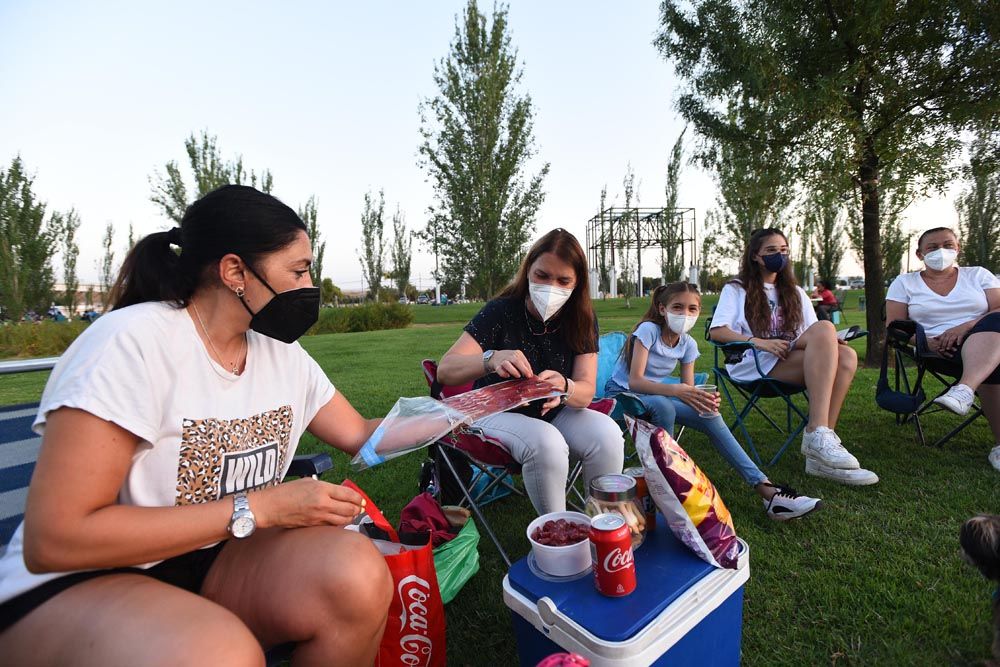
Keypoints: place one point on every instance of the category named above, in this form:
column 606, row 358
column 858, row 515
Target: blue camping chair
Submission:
column 752, row 392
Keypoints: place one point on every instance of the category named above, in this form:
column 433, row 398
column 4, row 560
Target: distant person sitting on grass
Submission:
column 959, row 310
column 828, row 300
column 156, row 529
column 542, row 324
column 764, row 306
column 656, row 346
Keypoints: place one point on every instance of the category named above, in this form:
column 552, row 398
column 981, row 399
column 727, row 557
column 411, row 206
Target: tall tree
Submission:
column 477, row 142
column 68, row 224
column 627, row 234
column 107, row 265
column 871, row 85
column 310, row 215
column 604, row 278
column 372, row 254
column 401, row 252
column 979, row 207
column 671, row 232
column 209, row 170
column 27, row 244
column 755, row 187
column 824, row 210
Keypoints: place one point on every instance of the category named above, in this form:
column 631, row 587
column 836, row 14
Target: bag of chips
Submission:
column 686, row 497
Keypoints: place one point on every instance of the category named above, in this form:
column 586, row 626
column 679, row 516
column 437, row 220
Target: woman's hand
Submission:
column 305, row 502
column 510, row 364
column 556, row 379
column 776, row 346
column 699, row 399
column 951, row 339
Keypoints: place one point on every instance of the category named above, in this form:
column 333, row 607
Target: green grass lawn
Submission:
column 875, row 578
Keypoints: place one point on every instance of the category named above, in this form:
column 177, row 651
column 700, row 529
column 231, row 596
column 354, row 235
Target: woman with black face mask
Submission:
column 167, row 427
column 764, row 306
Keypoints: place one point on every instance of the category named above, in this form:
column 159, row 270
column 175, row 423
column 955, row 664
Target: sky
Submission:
column 98, row 96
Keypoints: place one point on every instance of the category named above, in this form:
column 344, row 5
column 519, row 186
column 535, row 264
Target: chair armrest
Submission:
column 307, row 465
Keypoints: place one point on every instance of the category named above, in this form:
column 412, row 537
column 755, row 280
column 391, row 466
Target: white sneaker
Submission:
column 858, row 477
column 994, row 457
column 823, row 445
column 787, row 504
column 958, row 399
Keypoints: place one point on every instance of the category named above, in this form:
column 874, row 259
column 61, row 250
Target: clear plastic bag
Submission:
column 413, row 423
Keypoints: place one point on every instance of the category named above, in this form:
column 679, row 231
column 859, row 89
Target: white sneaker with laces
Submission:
column 858, row 477
column 823, row 445
column 786, row 504
column 958, row 399
column 994, row 458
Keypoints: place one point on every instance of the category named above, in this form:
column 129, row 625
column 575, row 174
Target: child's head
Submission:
column 676, row 305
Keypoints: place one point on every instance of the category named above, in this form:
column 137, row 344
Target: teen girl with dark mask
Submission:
column 659, row 344
column 542, row 324
column 764, row 306
column 156, row 529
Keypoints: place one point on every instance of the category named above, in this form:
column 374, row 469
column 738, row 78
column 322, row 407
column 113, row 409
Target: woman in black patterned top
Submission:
column 542, row 324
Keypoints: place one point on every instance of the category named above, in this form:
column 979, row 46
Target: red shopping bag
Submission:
column 415, row 631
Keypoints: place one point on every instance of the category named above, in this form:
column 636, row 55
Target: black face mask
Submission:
column 288, row 315
column 775, row 262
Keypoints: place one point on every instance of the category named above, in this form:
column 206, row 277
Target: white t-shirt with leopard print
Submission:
column 205, row 433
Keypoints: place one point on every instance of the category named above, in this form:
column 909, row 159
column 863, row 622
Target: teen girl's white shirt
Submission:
column 936, row 313
column 204, row 432
column 731, row 312
column 662, row 359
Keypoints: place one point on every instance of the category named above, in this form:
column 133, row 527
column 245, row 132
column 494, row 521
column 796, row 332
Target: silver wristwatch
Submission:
column 487, row 355
column 242, row 524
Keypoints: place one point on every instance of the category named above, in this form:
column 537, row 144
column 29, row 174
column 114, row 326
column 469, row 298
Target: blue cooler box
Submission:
column 682, row 612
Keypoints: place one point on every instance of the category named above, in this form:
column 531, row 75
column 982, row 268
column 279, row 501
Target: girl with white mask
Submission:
column 657, row 345
column 959, row 310
column 542, row 325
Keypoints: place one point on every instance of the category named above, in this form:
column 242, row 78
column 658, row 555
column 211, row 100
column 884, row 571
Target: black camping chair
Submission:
column 751, row 393
column 905, row 396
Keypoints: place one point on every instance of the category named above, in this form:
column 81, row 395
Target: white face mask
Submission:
column 548, row 299
column 681, row 324
column 940, row 259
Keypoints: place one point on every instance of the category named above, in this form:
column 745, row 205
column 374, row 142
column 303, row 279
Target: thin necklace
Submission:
column 545, row 327
column 235, row 368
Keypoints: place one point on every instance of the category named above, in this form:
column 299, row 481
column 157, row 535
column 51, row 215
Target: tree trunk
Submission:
column 872, row 246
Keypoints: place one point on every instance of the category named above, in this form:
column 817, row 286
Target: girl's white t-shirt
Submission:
column 204, row 432
column 936, row 313
column 662, row 359
column 731, row 312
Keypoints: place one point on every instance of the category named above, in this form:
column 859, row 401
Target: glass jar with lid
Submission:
column 616, row 494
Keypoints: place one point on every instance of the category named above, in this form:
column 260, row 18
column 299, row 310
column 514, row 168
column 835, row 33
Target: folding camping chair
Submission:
column 908, row 343
column 487, row 457
column 753, row 391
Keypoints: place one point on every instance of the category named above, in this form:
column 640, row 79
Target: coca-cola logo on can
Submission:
column 618, row 560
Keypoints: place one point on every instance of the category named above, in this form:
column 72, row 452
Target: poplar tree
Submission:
column 477, row 143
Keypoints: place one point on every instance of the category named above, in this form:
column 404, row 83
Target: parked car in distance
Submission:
column 422, row 299
column 857, row 283
column 403, row 300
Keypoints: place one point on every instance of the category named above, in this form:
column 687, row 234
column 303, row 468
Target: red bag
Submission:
column 415, row 630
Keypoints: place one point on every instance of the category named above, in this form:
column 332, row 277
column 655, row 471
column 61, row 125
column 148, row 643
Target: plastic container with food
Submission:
column 560, row 543
column 616, row 494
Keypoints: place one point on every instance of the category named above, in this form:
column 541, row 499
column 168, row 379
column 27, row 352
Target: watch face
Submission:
column 243, row 526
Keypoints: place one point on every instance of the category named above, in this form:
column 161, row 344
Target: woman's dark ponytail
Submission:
column 233, row 219
column 152, row 272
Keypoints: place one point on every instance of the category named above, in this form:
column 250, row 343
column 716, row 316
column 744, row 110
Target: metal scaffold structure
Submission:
column 614, row 234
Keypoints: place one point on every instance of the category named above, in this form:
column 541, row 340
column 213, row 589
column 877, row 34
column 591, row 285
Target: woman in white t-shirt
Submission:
column 959, row 310
column 656, row 346
column 766, row 308
column 156, row 528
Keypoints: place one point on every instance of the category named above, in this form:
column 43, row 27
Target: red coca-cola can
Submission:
column 611, row 548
